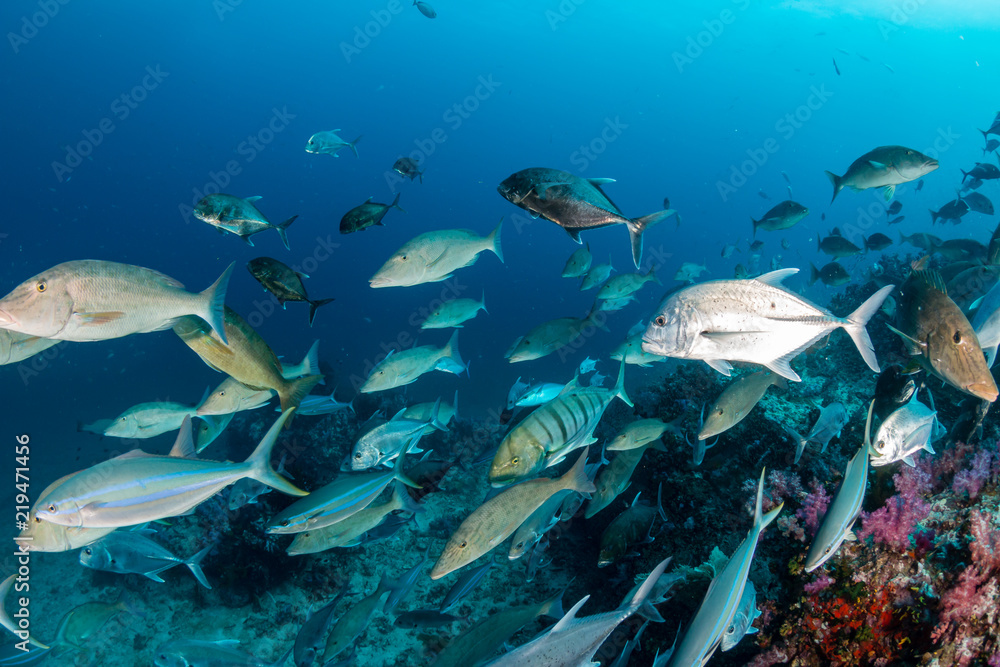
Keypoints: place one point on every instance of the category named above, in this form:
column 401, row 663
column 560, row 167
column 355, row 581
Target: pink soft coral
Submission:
column 893, row 523
column 971, row 480
column 814, row 507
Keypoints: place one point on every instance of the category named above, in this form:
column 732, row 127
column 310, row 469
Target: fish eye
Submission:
column 41, row 286
column 463, row 544
column 403, row 258
column 731, row 629
column 660, row 320
column 957, row 337
column 515, row 460
column 358, row 455
column 827, row 550
column 88, row 551
column 222, row 393
column 51, row 508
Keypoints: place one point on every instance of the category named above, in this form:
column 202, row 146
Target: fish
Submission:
column 837, row 246
column 353, row 622
column 785, row 215
column 129, row 552
column 435, row 256
column 547, row 435
column 729, row 249
column 310, row 640
column 953, row 210
column 641, row 432
column 201, row 653
column 534, row 528
column 573, row 641
column 978, row 202
column 401, row 587
column 895, row 207
column 90, row 300
column 689, row 271
column 148, row 420
column 877, row 241
column 79, row 624
column 454, row 312
column 835, row 68
column 423, row 411
column 633, row 526
column 756, row 246
column 762, row 194
column 246, row 358
column 896, row 220
column 742, row 624
column 725, row 594
column 16, row 347
column 588, row 365
column 329, row 143
column 575, row 204
column 753, row 320
column 983, row 171
column 740, row 272
column 631, row 352
column 972, row 283
column 737, row 400
column 921, row 240
column 920, row 185
column 845, row 507
column 425, row 9
column 956, row 250
column 597, row 379
column 9, row 623
column 991, row 145
column 905, row 432
column 464, row 585
column 831, row 275
column 596, row 275
column 229, row 213
column 700, row 447
column 134, row 489
column 883, row 167
column 350, row 532
column 893, row 389
column 384, row 441
column 408, row 167
column 612, row 305
column 551, row 336
column 424, row 618
column 829, row 424
column 366, row 215
column 345, row 496
column 937, row 333
column 578, row 263
column 210, row 428
column 515, row 392
column 402, row 368
column 497, row 519
column 481, row 641
column 284, row 283
column 314, row 405
column 615, row 478
column 986, row 324
column 626, row 284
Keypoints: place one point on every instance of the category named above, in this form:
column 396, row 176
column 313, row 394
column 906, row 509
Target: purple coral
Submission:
column 814, row 507
column 822, row 582
column 893, row 523
column 971, row 480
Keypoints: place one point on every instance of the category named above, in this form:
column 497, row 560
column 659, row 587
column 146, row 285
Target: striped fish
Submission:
column 547, row 435
column 137, row 488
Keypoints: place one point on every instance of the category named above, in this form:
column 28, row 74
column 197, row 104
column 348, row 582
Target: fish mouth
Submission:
column 984, row 390
column 6, row 319
column 931, row 164
column 379, row 282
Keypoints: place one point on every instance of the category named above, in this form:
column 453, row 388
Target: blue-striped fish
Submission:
column 134, row 489
column 547, row 435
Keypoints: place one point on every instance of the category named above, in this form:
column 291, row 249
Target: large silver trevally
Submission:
column 883, row 167
column 229, row 213
column 904, row 433
column 434, row 256
column 15, row 347
column 90, row 299
column 845, row 507
column 575, row 204
column 384, row 441
column 329, row 143
column 402, row 368
column 138, row 488
column 130, row 552
column 753, row 320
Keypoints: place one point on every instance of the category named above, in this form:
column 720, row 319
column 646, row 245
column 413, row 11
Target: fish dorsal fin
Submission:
column 254, row 198
column 600, row 181
column 184, row 444
column 398, row 415
column 775, row 278
column 933, row 279
column 570, row 616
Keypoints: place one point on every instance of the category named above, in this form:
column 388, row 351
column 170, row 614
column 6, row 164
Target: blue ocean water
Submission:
column 119, row 116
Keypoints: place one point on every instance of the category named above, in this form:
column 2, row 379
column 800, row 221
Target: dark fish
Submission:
column 896, row 221
column 991, row 145
column 425, row 9
column 835, row 68
column 832, row 275
column 666, row 203
column 284, row 283
column 953, row 210
column 408, row 167
column 971, row 283
column 311, row 638
column 762, row 194
column 837, row 246
column 364, row 216
column 893, row 389
column 575, row 204
column 895, row 207
column 782, row 216
column 786, row 178
column 978, row 202
column 884, row 167
column 937, row 333
column 822, row 216
column 920, row 185
column 921, row 240
column 756, row 246
column 994, row 128
column 960, row 249
column 983, row 171
column 424, row 618
column 238, row 216
column 993, row 252
column 877, row 241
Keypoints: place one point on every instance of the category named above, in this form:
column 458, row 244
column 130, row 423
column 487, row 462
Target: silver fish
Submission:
column 327, row 142
column 128, row 552
column 904, row 433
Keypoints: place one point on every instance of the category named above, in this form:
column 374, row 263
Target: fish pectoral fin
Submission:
column 155, row 577
column 721, row 365
column 574, row 234
column 850, row 536
column 541, row 189
column 437, row 259
column 254, row 198
column 877, row 165
column 96, row 319
column 889, row 191
column 912, row 343
column 908, row 460
column 782, row 366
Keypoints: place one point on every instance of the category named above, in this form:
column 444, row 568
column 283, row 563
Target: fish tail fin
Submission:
column 639, row 601
column 435, row 420
column 397, row 470
column 760, row 522
column 934, row 215
column 576, row 477
column 991, row 355
column 194, row 564
column 800, row 442
column 294, row 391
column 639, row 225
column 813, row 274
column 402, row 500
column 553, row 607
column 215, row 303
column 482, row 303
column 856, row 321
column 309, row 364
column 451, row 357
column 454, row 407
column 620, row 385
column 260, row 460
column 395, row 204
column 756, row 223
column 282, row 230
column 493, row 241
column 965, row 174
column 313, row 305
column 837, row 184
column 354, row 145
column 986, row 134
